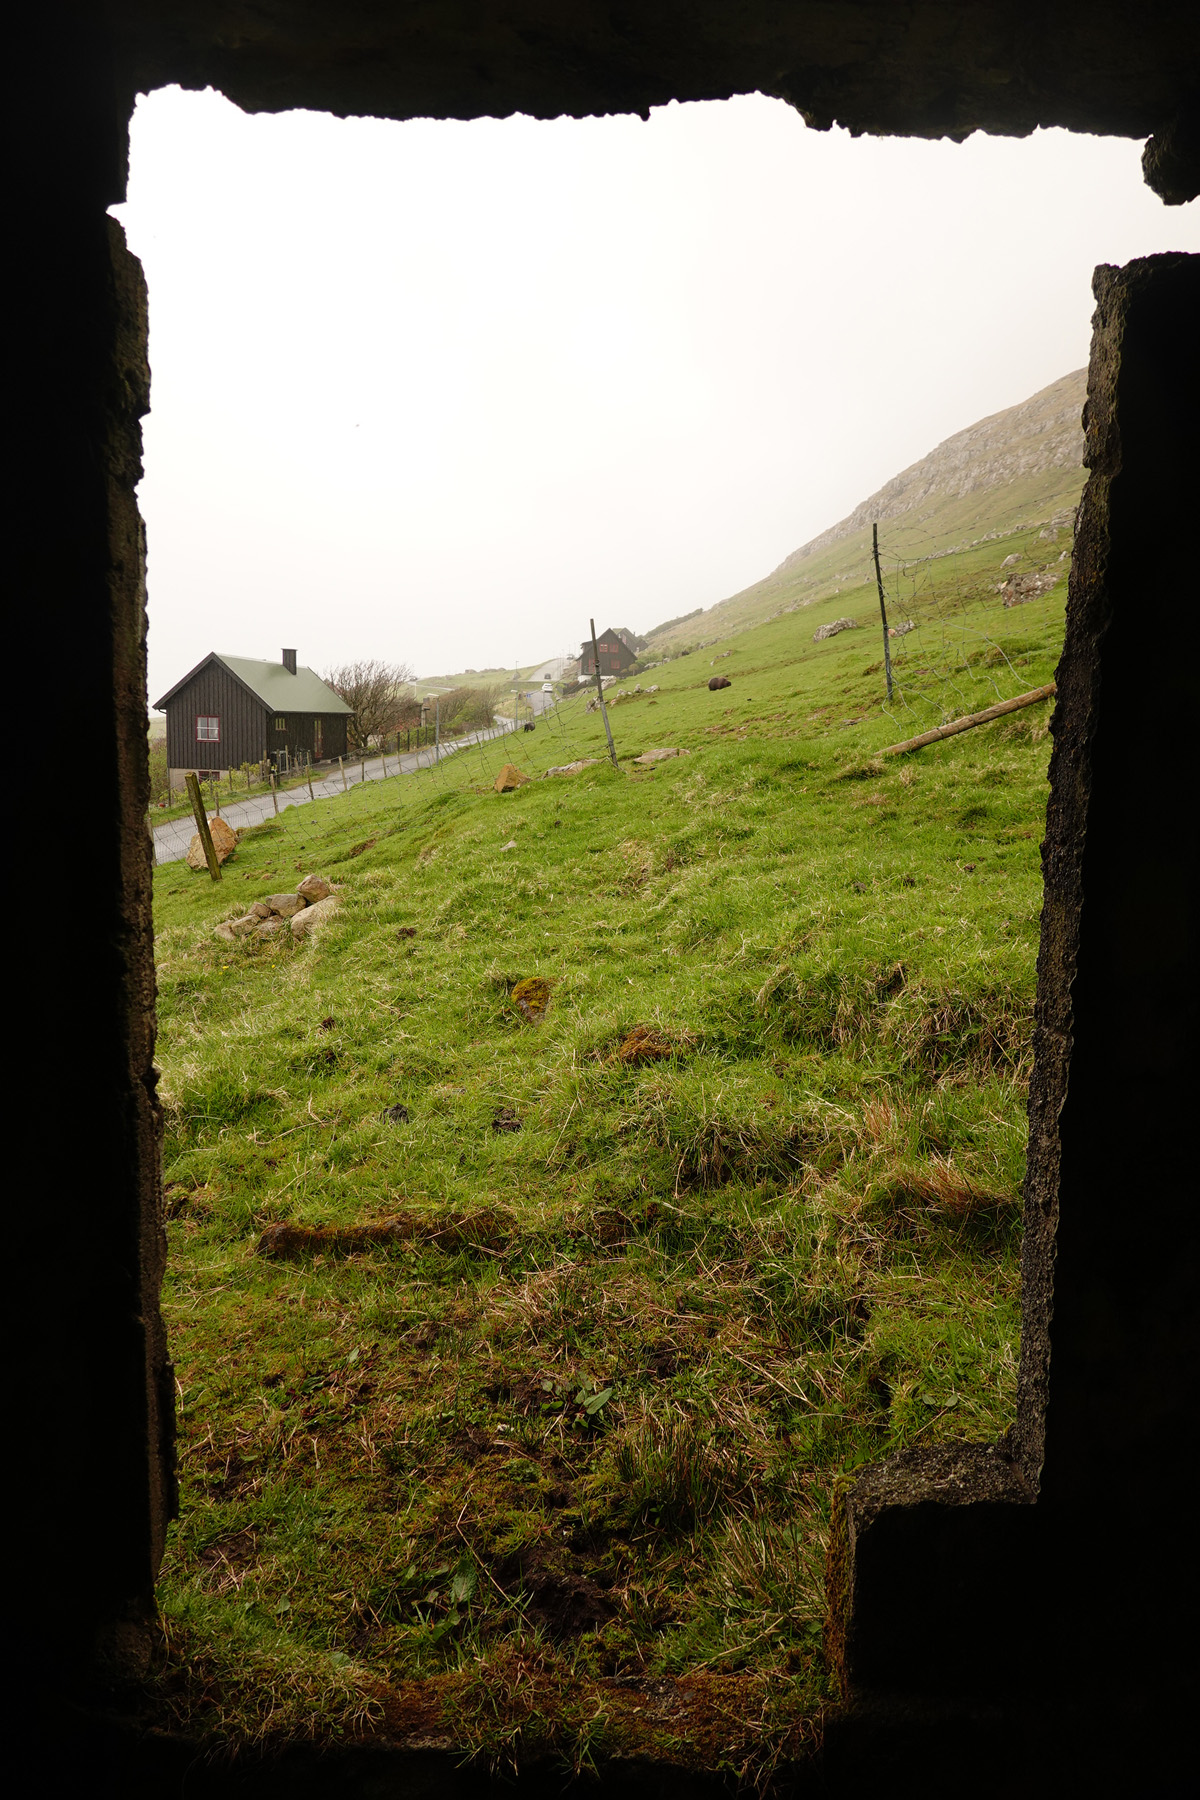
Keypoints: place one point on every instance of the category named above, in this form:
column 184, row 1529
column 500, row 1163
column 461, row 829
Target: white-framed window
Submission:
column 208, row 730
column 280, row 724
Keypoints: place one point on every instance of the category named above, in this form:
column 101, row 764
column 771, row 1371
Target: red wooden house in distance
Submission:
column 615, row 649
column 232, row 710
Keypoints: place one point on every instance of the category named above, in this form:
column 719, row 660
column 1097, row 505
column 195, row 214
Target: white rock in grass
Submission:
column 304, row 922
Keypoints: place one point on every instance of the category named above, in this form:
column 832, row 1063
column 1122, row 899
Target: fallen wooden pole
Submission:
column 979, row 718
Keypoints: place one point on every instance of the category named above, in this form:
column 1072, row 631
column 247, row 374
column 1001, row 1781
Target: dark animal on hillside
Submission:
column 528, row 725
column 718, row 681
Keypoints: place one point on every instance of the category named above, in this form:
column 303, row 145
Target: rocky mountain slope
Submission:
column 1018, row 468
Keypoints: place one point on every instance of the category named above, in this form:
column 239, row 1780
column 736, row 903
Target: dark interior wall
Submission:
column 930, row 67
column 91, row 1384
column 1109, row 1351
column 1052, row 1571
column 95, row 1382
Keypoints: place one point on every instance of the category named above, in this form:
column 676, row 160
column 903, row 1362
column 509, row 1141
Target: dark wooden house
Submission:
column 614, row 652
column 232, row 710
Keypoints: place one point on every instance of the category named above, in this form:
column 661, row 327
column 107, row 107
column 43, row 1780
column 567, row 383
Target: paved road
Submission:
column 171, row 839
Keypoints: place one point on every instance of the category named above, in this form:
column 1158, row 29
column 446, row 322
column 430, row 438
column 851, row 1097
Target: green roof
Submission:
column 273, row 684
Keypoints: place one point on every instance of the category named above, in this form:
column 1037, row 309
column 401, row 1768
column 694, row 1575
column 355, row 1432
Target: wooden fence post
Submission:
column 345, row 783
column 201, row 818
column 274, row 793
column 887, row 654
column 612, row 749
column 308, row 772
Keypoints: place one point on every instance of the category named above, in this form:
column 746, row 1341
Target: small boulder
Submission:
column 244, row 926
column 224, row 843
column 657, row 756
column 574, row 768
column 1010, row 562
column 831, row 630
column 509, row 779
column 284, row 906
column 511, row 845
column 260, row 910
column 304, row 921
column 313, row 888
column 268, row 928
column 718, row 681
column 225, row 930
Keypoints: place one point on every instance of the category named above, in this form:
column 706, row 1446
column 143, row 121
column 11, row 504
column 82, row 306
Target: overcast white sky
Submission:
column 438, row 392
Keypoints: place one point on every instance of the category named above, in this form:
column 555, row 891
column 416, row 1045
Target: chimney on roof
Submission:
column 289, row 661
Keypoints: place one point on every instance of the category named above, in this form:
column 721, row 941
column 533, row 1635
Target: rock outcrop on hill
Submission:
column 1012, row 471
column 1043, row 434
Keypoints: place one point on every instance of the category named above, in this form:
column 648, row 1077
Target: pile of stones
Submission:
column 313, row 900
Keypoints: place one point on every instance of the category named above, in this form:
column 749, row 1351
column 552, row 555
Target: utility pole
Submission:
column 887, row 654
column 612, row 749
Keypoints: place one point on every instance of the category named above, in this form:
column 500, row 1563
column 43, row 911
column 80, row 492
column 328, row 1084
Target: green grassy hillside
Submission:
column 548, row 1471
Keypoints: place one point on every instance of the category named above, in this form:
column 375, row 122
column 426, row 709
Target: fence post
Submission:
column 308, row 772
column 887, row 655
column 612, row 749
column 274, row 794
column 345, row 783
column 363, row 770
column 201, row 818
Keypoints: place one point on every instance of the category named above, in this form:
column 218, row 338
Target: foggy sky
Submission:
column 437, row 392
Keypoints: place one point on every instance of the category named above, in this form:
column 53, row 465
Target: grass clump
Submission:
column 520, row 1432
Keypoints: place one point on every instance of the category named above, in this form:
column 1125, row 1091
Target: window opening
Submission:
column 208, row 730
column 711, row 1150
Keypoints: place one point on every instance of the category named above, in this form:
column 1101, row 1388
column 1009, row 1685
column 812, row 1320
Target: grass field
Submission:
column 548, row 1471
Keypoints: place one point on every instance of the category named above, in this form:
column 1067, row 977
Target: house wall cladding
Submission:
column 615, row 657
column 300, row 734
column 214, row 693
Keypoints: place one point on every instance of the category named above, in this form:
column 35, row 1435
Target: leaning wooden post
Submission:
column 274, row 794
column 345, row 783
column 612, row 749
column 887, row 655
column 201, row 817
column 308, row 772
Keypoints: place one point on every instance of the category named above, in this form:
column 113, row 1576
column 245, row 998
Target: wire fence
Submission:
column 173, row 837
column 944, row 652
column 947, row 653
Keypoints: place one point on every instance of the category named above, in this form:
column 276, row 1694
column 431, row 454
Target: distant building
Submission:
column 232, row 710
column 614, row 653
